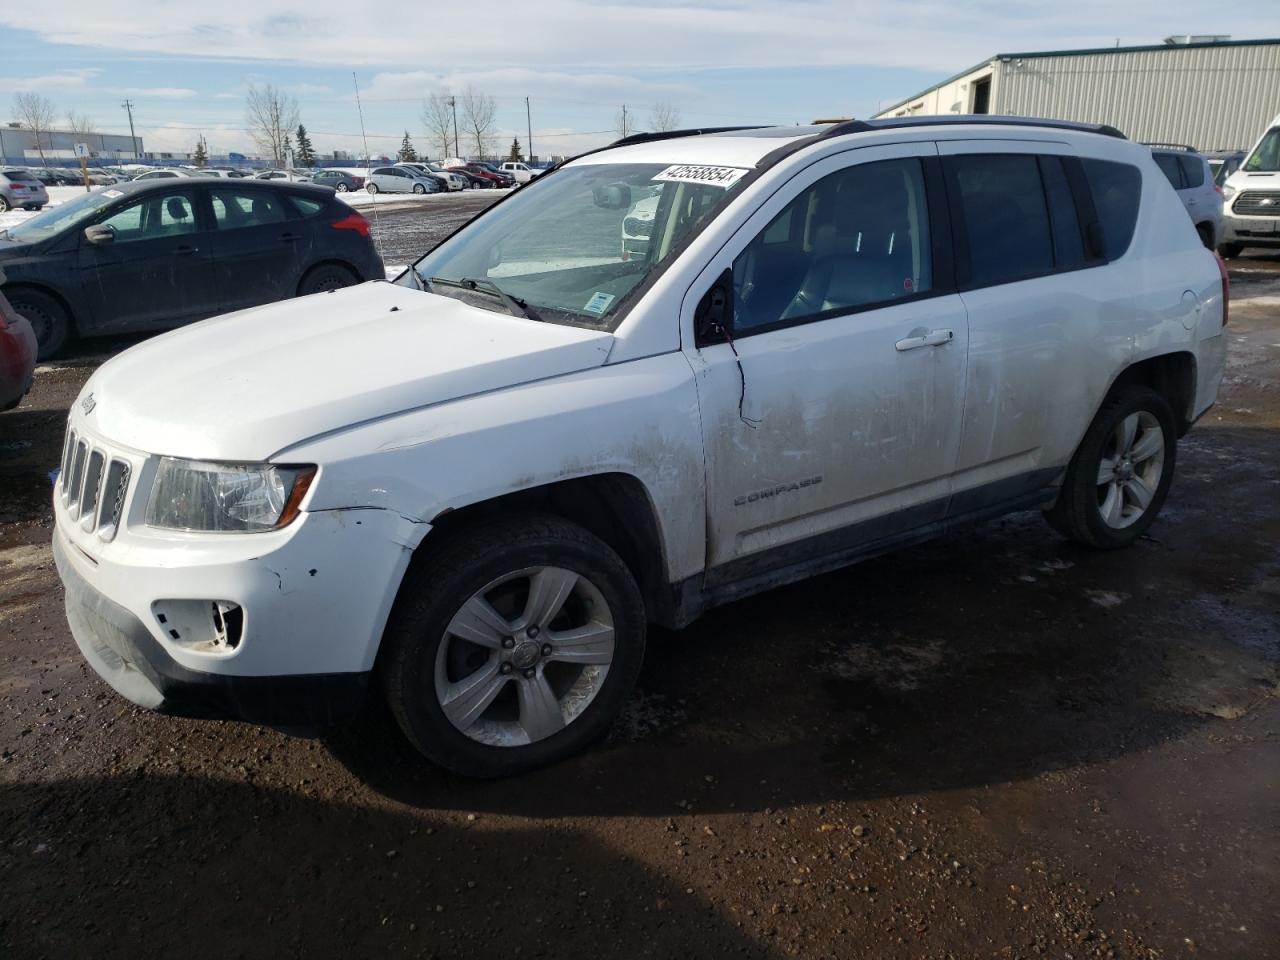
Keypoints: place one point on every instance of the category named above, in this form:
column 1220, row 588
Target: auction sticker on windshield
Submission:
column 697, row 173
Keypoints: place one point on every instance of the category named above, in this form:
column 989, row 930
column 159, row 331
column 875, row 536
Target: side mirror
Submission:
column 612, row 196
column 713, row 318
column 100, row 234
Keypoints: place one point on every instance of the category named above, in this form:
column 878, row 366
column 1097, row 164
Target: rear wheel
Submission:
column 1230, row 251
column 49, row 319
column 1119, row 478
column 342, row 188
column 513, row 646
column 326, row 277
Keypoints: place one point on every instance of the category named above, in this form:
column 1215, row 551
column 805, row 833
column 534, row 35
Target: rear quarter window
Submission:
column 1116, row 189
column 19, row 176
column 1170, row 167
column 306, row 206
column 1192, row 171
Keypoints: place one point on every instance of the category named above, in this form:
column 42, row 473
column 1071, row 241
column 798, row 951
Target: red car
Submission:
column 490, row 178
column 17, row 356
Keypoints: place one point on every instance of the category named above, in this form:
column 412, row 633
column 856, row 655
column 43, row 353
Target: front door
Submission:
column 833, row 418
column 157, row 272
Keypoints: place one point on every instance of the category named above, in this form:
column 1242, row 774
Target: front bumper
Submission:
column 125, row 654
column 1251, row 231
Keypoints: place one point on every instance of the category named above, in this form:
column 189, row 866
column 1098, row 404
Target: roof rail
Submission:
column 893, row 123
column 1170, row 146
column 675, row 134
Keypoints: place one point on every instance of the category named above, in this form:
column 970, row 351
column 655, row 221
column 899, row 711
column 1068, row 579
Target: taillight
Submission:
column 352, row 221
column 1226, row 288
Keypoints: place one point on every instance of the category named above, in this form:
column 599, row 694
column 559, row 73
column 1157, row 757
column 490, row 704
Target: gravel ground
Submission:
column 994, row 745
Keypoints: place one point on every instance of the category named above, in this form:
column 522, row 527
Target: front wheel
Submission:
column 1230, row 251
column 4, row 205
column 372, row 188
column 419, row 189
column 48, row 318
column 1117, row 482
column 512, row 646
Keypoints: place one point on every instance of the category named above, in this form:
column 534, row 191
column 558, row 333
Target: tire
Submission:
column 1109, row 513
column 371, row 189
column 326, row 277
column 4, row 205
column 49, row 319
column 342, row 187
column 1206, row 234
column 419, row 189
column 1230, row 251
column 503, row 732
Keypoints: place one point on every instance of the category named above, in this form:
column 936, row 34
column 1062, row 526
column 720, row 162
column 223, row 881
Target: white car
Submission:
column 1192, row 178
column 520, row 172
column 637, row 226
column 401, row 180
column 470, row 491
column 164, row 173
column 455, row 180
column 1252, row 197
column 292, row 176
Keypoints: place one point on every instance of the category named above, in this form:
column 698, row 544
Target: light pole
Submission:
column 453, row 104
column 528, row 119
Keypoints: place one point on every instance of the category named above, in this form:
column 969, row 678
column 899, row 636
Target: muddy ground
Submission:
column 995, row 745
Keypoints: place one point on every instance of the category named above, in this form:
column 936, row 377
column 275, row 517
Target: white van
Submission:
column 520, row 172
column 1252, row 198
column 470, row 491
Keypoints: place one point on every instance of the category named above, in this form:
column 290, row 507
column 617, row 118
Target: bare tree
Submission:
column 479, row 112
column 79, row 123
column 271, row 116
column 664, row 116
column 438, row 119
column 36, row 114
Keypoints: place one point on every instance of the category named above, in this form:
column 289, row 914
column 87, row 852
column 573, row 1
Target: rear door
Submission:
column 1033, row 322
column 258, row 246
column 158, row 271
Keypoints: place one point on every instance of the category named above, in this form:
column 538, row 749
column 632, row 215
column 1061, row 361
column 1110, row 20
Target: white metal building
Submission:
column 18, row 146
column 1209, row 92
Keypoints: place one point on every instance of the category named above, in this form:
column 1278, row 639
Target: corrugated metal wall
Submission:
column 1209, row 97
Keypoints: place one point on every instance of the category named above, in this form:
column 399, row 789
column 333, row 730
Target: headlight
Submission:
column 225, row 497
column 1228, row 192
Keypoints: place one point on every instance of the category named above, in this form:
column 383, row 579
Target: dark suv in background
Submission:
column 160, row 253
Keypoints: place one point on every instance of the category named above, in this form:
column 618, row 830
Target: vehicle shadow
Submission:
column 30, row 446
column 221, row 870
column 995, row 655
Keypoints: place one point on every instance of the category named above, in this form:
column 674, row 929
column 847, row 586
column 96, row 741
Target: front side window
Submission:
column 573, row 247
column 1004, row 218
column 157, row 216
column 236, row 209
column 1265, row 157
column 62, row 217
column 855, row 238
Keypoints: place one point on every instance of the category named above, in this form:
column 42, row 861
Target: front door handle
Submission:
column 185, row 251
column 288, row 237
column 931, row 338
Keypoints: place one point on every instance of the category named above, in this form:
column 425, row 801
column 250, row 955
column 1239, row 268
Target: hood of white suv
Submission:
column 247, row 385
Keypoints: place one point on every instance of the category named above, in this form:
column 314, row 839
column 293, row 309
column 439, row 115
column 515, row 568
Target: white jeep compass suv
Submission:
column 470, row 490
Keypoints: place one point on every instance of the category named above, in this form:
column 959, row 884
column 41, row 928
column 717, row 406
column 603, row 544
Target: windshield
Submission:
column 1266, row 155
column 62, row 217
column 578, row 242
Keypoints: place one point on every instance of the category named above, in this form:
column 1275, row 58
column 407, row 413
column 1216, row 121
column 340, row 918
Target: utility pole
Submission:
column 453, row 102
column 528, row 119
column 133, row 139
column 624, row 119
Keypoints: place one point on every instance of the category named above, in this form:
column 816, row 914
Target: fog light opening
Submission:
column 228, row 624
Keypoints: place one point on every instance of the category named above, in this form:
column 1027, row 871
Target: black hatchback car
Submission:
column 154, row 254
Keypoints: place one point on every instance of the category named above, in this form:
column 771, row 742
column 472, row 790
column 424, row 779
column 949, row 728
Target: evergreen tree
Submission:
column 201, row 155
column 406, row 153
column 306, row 155
column 516, row 154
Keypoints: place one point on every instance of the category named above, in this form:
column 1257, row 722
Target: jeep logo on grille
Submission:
column 87, row 404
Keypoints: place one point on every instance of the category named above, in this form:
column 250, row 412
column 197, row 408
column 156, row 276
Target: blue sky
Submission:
column 186, row 66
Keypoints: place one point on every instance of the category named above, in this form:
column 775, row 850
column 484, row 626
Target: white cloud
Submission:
column 60, row 80
column 163, row 93
column 578, row 35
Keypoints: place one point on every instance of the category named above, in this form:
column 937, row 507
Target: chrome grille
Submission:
column 636, row 227
column 1257, row 203
column 94, row 485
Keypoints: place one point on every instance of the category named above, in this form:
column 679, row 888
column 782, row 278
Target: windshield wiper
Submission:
column 514, row 305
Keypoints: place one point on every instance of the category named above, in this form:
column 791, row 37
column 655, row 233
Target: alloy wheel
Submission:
column 1130, row 469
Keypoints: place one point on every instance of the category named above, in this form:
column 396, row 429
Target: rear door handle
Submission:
column 933, row 338
column 288, row 237
column 185, row 251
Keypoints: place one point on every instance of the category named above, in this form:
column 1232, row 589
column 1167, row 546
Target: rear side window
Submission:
column 1116, row 189
column 19, row 176
column 1192, row 171
column 236, row 209
column 1170, row 167
column 1068, row 244
column 1004, row 218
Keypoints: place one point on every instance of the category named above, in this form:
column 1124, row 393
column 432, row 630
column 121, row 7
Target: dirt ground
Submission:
column 994, row 745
